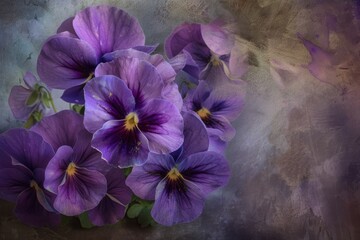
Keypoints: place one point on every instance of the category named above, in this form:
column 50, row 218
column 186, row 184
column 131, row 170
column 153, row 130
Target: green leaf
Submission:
column 85, row 221
column 30, row 122
column 127, row 171
column 134, row 210
column 32, row 98
column 145, row 219
column 78, row 108
column 37, row 87
column 65, row 219
column 37, row 116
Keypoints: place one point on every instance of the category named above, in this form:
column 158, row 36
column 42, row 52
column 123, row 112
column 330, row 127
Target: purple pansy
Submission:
column 179, row 182
column 24, row 156
column 112, row 207
column 166, row 71
column 209, row 51
column 68, row 59
column 73, row 175
column 127, row 119
column 23, row 101
column 217, row 107
column 60, row 129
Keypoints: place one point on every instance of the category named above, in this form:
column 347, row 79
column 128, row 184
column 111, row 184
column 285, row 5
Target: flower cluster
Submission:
column 132, row 142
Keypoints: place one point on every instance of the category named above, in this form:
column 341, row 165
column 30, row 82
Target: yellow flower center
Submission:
column 131, row 121
column 174, row 174
column 204, row 113
column 71, row 169
column 215, row 60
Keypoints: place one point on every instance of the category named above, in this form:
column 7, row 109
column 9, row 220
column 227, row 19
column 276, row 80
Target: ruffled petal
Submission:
column 221, row 123
column 144, row 179
column 117, row 187
column 26, row 148
column 207, row 170
column 195, row 135
column 55, row 170
column 140, row 76
column 181, row 36
column 177, row 205
column 178, row 62
column 107, row 98
column 112, row 207
column 171, row 93
column 216, row 144
column 13, row 181
column 60, row 129
column 119, row 146
column 45, row 198
column 86, row 156
column 29, row 210
column 200, row 54
column 226, row 100
column 217, row 38
column 162, row 124
column 195, row 98
column 67, row 26
column 164, row 68
column 66, row 62
column 108, row 29
column 17, row 102
column 80, row 192
column 74, row 94
column 147, row 48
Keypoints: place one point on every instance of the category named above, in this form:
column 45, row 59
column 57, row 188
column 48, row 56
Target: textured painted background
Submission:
column 296, row 157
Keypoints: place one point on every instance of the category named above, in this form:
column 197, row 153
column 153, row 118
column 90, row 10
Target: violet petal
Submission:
column 119, row 146
column 55, row 170
column 108, row 29
column 80, row 192
column 144, row 179
column 60, row 129
column 26, row 148
column 66, row 62
column 107, row 98
column 162, row 124
column 207, row 170
column 29, row 210
column 173, row 206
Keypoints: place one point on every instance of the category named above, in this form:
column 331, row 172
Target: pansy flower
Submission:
column 209, row 50
column 24, row 156
column 179, row 182
column 73, row 175
column 112, row 207
column 166, row 71
column 216, row 107
column 60, row 129
column 25, row 100
column 68, row 59
column 127, row 119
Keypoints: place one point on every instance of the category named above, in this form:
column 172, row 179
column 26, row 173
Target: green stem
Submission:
column 52, row 104
column 51, row 98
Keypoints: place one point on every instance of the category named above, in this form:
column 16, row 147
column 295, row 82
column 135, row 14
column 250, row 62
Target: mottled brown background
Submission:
column 296, row 157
